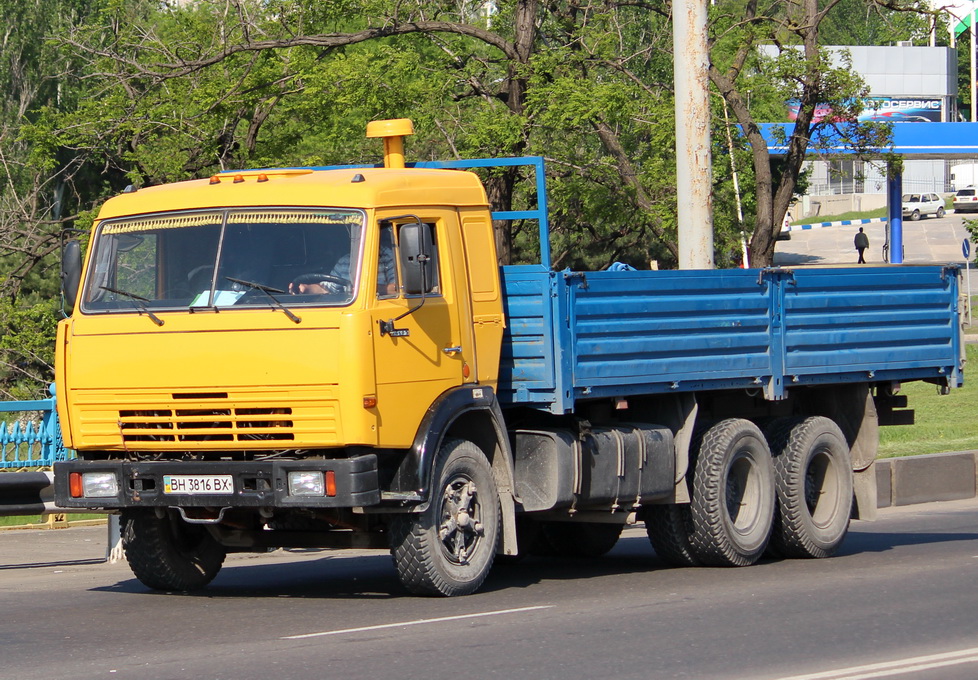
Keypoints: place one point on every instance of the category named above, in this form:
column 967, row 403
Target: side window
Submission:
column 435, row 261
column 386, row 263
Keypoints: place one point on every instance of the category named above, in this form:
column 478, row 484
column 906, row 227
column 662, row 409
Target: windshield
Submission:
column 225, row 258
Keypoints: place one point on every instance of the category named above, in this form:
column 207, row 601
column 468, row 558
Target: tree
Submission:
column 43, row 185
column 492, row 82
column 801, row 70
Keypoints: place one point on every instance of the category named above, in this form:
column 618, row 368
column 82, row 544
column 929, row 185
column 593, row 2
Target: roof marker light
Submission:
column 262, row 177
column 215, row 180
column 238, row 179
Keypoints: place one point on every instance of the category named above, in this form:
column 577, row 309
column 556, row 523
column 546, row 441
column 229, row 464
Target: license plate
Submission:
column 198, row 484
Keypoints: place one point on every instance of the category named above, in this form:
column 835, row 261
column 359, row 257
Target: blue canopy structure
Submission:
column 918, row 139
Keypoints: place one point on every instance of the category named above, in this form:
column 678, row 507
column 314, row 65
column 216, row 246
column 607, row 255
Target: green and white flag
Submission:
column 960, row 12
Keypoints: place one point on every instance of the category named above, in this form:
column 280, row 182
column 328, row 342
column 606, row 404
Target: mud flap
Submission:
column 864, row 493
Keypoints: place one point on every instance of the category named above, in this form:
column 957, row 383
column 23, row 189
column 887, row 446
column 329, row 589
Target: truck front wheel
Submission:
column 166, row 553
column 449, row 548
column 813, row 470
column 733, row 495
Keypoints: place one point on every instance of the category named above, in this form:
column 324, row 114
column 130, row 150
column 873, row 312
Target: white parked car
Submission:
column 966, row 200
column 916, row 206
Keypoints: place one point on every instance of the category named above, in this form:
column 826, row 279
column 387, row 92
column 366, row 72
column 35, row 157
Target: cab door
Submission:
column 424, row 353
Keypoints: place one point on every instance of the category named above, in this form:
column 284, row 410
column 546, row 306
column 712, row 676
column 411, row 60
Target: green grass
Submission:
column 943, row 423
column 37, row 520
column 868, row 214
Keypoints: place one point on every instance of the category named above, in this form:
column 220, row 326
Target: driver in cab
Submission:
column 339, row 281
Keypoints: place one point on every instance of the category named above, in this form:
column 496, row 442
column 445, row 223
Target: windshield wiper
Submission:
column 139, row 302
column 268, row 290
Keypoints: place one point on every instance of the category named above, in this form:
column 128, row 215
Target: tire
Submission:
column 169, row 554
column 581, row 539
column 940, row 213
column 669, row 528
column 449, row 548
column 915, row 215
column 733, row 495
column 813, row 474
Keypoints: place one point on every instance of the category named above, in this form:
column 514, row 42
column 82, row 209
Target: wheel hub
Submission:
column 460, row 529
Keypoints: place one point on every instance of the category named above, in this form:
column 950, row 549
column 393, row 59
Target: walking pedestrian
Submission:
column 862, row 243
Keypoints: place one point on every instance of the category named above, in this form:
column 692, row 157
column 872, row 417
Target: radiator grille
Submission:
column 205, row 424
column 243, row 418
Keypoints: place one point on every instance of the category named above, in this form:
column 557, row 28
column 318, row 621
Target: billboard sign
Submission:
column 884, row 109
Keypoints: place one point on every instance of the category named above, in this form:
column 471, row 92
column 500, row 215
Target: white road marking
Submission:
column 416, row 622
column 899, row 667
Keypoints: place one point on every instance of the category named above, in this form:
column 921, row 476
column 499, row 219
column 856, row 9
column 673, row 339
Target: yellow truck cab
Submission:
column 268, row 344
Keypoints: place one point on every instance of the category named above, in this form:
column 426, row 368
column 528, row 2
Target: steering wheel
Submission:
column 344, row 284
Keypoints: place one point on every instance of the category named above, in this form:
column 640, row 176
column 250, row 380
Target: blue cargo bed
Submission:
column 577, row 335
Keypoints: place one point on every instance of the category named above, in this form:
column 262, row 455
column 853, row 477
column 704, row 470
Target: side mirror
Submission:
column 415, row 255
column 71, row 266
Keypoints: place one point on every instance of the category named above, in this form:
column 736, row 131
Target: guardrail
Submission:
column 26, row 443
column 27, row 493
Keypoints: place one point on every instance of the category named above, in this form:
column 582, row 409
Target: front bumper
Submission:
column 256, row 483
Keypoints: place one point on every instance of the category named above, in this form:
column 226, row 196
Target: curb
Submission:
column 926, row 478
column 841, row 223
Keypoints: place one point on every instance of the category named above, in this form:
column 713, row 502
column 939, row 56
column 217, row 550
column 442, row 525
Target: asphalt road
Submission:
column 900, row 595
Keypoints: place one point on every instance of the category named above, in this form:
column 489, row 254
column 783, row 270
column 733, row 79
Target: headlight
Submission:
column 95, row 485
column 307, row 484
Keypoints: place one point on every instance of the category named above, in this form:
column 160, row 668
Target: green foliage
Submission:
column 971, row 225
column 26, row 347
column 856, row 22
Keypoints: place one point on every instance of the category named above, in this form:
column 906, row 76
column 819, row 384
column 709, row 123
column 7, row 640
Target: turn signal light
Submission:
column 75, row 484
column 330, row 483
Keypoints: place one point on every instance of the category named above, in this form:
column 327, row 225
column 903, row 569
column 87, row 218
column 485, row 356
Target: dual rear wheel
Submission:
column 787, row 491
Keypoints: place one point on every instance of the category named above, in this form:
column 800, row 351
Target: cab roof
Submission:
column 306, row 187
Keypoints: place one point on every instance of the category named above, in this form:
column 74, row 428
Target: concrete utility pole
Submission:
column 694, row 184
column 971, row 49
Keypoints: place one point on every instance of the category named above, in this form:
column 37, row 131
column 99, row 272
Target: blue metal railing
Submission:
column 31, row 443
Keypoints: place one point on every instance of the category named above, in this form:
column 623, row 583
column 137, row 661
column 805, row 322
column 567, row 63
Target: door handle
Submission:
column 452, row 350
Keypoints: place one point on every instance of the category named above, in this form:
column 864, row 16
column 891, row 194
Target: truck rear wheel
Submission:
column 733, row 495
column 669, row 528
column 449, row 548
column 581, row 539
column 813, row 472
column 166, row 553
